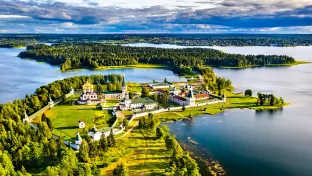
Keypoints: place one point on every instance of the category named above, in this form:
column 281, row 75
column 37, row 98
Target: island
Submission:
column 95, row 56
column 102, row 124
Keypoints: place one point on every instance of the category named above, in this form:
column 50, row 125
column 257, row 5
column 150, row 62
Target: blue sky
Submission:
column 157, row 16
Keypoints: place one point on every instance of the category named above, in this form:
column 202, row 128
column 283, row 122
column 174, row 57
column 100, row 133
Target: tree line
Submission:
column 280, row 40
column 92, row 55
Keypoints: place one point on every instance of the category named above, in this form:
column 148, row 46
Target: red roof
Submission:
column 201, row 95
column 80, row 121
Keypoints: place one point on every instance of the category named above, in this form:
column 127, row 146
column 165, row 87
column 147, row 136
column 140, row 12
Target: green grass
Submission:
column 134, row 87
column 127, row 113
column 111, row 102
column 147, row 155
column 65, row 118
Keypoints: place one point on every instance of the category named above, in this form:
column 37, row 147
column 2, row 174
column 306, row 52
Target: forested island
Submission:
column 73, row 56
column 16, row 42
column 280, row 40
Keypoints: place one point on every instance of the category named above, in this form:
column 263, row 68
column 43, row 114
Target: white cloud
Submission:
column 12, row 16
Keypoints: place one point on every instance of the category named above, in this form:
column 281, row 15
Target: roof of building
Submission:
column 142, row 100
column 180, row 98
column 78, row 138
column 190, row 94
column 112, row 92
column 160, row 84
column 80, row 120
column 94, row 129
column 123, row 80
column 201, row 95
column 88, row 85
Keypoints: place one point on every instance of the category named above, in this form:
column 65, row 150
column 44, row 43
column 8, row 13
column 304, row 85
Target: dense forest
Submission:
column 178, row 39
column 71, row 56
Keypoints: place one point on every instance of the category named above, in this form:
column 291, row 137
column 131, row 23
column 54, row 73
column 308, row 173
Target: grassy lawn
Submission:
column 148, row 156
column 134, row 87
column 127, row 113
column 65, row 117
column 111, row 102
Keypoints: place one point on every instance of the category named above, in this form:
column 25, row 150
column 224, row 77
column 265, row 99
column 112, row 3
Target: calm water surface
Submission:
column 21, row 76
column 266, row 143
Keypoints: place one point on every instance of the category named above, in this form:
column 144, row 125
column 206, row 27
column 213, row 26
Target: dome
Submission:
column 87, row 86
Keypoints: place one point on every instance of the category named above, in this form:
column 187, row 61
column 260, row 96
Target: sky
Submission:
column 155, row 16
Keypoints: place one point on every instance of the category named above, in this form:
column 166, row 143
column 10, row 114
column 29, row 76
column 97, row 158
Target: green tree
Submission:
column 272, row 100
column 95, row 170
column 125, row 123
column 6, row 164
column 165, row 80
column 160, row 133
column 52, row 147
column 248, row 92
column 282, row 101
column 183, row 107
column 49, row 123
column 131, row 95
column 120, row 170
column 103, row 144
column 83, row 153
column 111, row 139
column 145, row 92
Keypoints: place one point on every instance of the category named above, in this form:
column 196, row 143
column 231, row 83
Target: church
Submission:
column 89, row 96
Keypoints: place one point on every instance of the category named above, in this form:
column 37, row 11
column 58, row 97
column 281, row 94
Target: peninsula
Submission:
column 115, row 125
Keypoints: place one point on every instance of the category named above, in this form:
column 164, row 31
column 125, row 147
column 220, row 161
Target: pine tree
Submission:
column 83, row 154
column 160, row 133
column 103, row 144
column 183, row 107
column 111, row 139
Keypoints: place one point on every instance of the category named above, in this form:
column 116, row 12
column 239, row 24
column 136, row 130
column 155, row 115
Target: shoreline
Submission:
column 267, row 65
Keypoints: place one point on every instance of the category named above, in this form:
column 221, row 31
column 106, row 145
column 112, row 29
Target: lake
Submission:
column 22, row 76
column 268, row 143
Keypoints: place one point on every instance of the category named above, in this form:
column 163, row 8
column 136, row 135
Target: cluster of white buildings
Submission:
column 188, row 97
column 137, row 103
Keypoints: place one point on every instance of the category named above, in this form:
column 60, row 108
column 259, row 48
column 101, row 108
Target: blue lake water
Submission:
column 22, row 76
column 270, row 143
